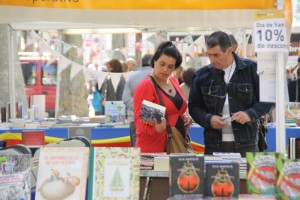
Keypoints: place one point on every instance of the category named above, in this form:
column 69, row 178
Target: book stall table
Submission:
column 120, row 136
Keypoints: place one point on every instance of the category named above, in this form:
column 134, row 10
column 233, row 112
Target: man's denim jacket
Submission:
column 207, row 97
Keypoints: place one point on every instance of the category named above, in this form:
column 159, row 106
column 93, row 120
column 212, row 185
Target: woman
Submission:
column 186, row 77
column 153, row 138
column 96, row 101
column 113, row 66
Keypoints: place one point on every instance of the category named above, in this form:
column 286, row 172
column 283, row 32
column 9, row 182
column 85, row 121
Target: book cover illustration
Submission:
column 186, row 176
column 115, row 112
column 152, row 110
column 223, row 179
column 76, row 131
column 62, row 173
column 115, row 173
column 288, row 183
column 15, row 177
column 262, row 172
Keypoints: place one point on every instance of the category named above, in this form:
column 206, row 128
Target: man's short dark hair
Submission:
column 146, row 60
column 219, row 38
column 299, row 59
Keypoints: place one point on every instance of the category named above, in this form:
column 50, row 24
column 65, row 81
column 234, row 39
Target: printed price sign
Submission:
column 270, row 32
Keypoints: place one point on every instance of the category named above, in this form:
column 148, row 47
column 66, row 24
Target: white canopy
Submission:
column 172, row 20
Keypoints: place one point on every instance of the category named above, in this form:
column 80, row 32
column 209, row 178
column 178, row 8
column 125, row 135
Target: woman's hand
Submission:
column 160, row 127
column 187, row 121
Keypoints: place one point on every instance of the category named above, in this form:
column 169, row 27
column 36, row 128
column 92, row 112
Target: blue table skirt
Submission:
column 196, row 133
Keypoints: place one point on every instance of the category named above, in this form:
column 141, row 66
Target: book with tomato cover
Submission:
column 186, row 176
column 262, row 172
column 288, row 179
column 222, row 179
column 150, row 111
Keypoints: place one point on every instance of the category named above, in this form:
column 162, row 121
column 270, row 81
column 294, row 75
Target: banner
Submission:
column 270, row 32
column 145, row 4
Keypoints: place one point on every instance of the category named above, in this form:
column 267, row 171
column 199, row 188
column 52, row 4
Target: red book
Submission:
column 33, row 138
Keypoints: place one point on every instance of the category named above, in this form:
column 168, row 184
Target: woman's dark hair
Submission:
column 116, row 65
column 219, row 38
column 187, row 75
column 167, row 48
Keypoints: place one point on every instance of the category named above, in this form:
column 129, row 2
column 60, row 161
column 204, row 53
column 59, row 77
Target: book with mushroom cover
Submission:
column 186, row 176
column 222, row 179
column 15, row 176
column 62, row 173
column 114, row 173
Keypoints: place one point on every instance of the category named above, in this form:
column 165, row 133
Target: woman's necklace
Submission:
column 165, row 87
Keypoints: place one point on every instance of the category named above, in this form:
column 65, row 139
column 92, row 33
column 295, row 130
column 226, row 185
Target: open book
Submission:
column 152, row 110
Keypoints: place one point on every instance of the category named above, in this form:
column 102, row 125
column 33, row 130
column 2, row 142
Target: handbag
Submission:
column 175, row 141
column 262, row 131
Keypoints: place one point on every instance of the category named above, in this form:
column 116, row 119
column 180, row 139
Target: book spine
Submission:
column 91, row 174
column 292, row 148
column 3, row 114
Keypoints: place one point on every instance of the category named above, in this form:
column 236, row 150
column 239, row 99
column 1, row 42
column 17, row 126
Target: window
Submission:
column 29, row 73
column 49, row 74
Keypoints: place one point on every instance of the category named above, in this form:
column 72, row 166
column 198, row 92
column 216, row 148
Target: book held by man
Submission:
column 152, row 110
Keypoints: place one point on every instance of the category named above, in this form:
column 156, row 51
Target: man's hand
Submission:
column 217, row 122
column 241, row 117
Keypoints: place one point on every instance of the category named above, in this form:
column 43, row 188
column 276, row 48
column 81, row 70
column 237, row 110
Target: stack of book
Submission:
column 47, row 123
column 161, row 163
column 32, row 124
column 17, row 123
column 147, row 160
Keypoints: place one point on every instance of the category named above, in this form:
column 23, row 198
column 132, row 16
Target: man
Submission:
column 224, row 99
column 130, row 62
column 134, row 79
column 294, row 87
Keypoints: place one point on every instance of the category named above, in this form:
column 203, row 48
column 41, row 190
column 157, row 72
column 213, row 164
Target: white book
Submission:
column 62, row 173
column 152, row 110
